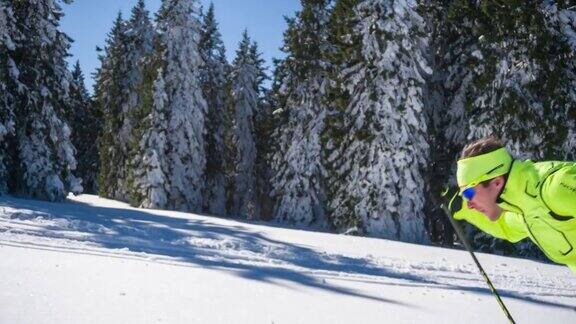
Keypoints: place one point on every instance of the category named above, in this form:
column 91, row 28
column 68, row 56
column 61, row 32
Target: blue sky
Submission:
column 89, row 21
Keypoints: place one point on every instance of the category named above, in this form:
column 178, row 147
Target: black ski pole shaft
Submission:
column 464, row 241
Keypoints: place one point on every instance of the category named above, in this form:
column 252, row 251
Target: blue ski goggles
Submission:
column 469, row 193
column 469, row 190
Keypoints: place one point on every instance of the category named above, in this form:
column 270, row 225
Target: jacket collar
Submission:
column 519, row 193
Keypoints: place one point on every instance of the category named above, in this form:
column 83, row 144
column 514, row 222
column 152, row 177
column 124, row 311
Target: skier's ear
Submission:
column 499, row 182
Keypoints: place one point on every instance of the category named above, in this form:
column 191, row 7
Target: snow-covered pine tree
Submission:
column 120, row 78
column 263, row 128
column 515, row 69
column 214, row 86
column 45, row 158
column 111, row 96
column 507, row 102
column 150, row 185
column 261, row 73
column 244, row 100
column 561, row 23
column 458, row 61
column 8, row 87
column 297, row 168
column 340, row 25
column 139, row 45
column 345, row 43
column 445, row 90
column 84, row 121
column 145, row 124
column 377, row 184
column 179, row 29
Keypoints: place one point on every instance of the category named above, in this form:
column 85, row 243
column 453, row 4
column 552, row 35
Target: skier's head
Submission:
column 482, row 172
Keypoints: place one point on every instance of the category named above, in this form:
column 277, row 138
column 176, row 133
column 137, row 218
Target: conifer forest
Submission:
column 356, row 130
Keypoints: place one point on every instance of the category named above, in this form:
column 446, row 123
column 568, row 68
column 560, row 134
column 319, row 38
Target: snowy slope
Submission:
column 92, row 260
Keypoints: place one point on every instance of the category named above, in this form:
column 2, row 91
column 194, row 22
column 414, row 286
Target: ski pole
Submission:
column 464, row 241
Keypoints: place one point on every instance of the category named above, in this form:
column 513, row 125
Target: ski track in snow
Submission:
column 196, row 241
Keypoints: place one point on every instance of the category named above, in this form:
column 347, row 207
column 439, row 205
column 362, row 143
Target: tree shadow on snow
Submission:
column 232, row 248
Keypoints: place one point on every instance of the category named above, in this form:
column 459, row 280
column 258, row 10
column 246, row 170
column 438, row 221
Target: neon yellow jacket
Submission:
column 539, row 202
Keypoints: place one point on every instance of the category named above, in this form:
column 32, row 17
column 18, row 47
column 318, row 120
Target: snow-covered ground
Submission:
column 92, row 260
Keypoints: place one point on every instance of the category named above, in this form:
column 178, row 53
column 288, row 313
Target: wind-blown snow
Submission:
column 93, row 260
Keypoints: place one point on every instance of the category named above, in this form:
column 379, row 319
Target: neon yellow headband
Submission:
column 473, row 170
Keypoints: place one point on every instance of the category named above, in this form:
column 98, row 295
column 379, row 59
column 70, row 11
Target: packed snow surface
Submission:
column 93, row 260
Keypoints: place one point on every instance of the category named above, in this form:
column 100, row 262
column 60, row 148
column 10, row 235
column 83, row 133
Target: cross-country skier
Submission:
column 512, row 199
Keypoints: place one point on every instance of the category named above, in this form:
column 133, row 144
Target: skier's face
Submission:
column 485, row 197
